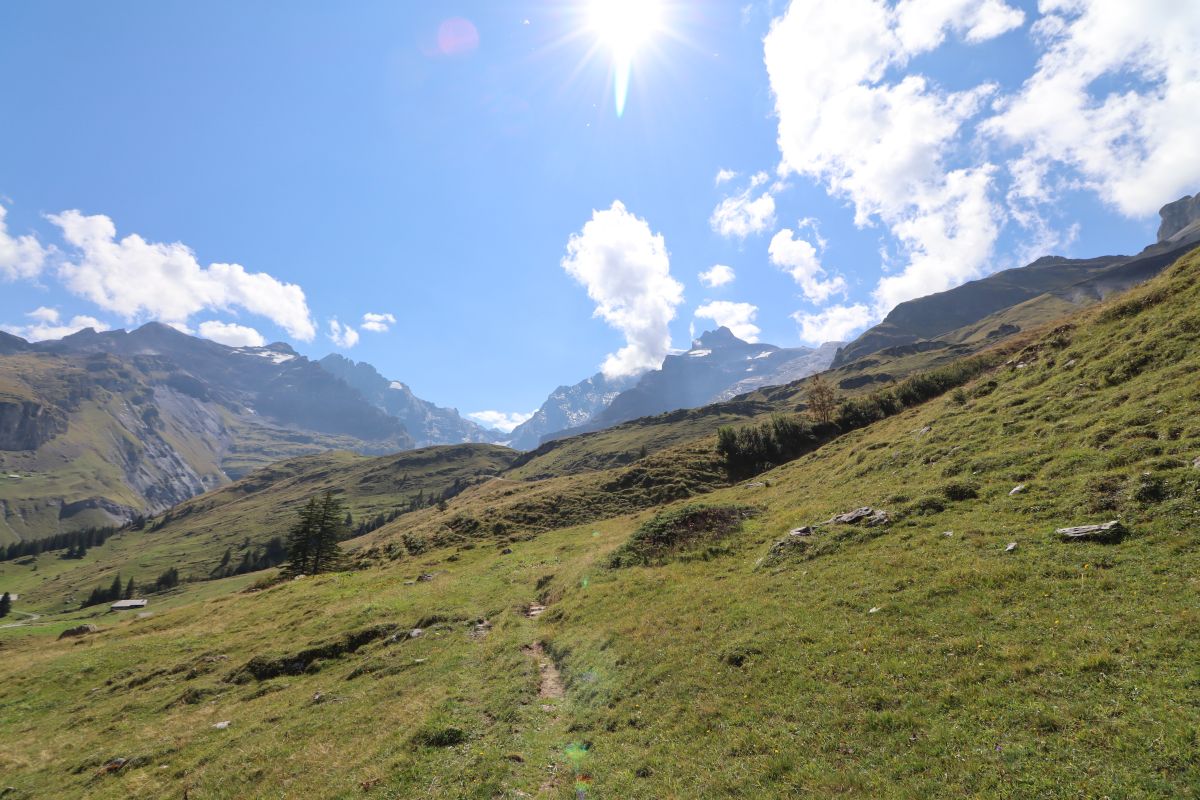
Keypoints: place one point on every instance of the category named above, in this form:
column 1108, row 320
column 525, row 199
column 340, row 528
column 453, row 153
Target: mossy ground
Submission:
column 881, row 662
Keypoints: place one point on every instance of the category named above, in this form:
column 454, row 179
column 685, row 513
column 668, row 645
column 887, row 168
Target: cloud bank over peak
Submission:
column 21, row 257
column 48, row 324
column 502, row 421
column 738, row 317
column 137, row 279
column 626, row 270
column 231, row 334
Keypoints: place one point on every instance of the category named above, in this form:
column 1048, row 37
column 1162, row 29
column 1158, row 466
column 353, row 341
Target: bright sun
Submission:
column 624, row 26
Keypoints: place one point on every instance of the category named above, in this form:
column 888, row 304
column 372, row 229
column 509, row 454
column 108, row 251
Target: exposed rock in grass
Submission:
column 1106, row 532
column 676, row 532
column 112, row 765
column 866, row 515
column 803, row 530
column 1011, row 546
column 1017, row 489
column 262, row 668
column 78, row 630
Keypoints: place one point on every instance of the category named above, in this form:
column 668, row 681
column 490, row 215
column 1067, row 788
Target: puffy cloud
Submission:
column 1115, row 97
column 834, row 324
column 377, row 323
column 48, row 324
column 341, row 335
column 232, row 334
column 140, row 279
column 627, row 272
column 738, row 317
column 21, row 257
column 719, row 275
column 724, row 176
column 500, row 420
column 743, row 214
column 800, row 259
column 884, row 145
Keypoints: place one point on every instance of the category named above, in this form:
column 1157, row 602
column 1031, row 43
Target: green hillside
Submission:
column 618, row 635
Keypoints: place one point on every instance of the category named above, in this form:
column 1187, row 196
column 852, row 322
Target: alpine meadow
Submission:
column 303, row 493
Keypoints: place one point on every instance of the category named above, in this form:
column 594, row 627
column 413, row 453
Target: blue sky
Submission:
column 432, row 162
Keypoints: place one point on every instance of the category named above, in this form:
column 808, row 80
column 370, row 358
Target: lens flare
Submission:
column 624, row 26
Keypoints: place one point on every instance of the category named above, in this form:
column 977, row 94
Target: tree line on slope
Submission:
column 752, row 449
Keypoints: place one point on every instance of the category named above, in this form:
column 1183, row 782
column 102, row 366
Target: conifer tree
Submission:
column 301, row 539
column 327, row 556
column 129, row 587
column 114, row 591
column 5, row 604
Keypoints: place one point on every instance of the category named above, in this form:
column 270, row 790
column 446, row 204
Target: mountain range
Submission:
column 97, row 428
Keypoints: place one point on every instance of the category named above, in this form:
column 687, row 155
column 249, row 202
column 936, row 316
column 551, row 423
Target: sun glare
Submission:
column 624, row 26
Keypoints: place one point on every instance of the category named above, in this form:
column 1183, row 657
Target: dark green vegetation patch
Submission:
column 694, row 530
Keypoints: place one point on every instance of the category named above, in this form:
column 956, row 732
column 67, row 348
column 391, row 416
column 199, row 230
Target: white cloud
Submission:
column 377, row 323
column 738, row 317
column 1115, row 97
column 48, row 324
column 834, row 324
column 627, row 271
column 883, row 145
column 139, row 279
column 21, row 257
column 500, row 420
column 341, row 335
column 724, row 176
column 743, row 214
column 719, row 275
column 231, row 334
column 800, row 259
column 758, row 179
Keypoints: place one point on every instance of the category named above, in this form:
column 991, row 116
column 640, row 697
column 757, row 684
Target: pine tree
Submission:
column 114, row 591
column 301, row 540
column 5, row 604
column 331, row 529
column 129, row 587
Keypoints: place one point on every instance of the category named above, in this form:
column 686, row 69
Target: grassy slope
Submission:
column 251, row 510
column 1058, row 669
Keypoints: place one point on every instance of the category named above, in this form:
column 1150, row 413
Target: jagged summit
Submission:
column 720, row 338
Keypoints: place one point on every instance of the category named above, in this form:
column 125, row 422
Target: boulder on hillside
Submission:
column 866, row 515
column 1108, row 531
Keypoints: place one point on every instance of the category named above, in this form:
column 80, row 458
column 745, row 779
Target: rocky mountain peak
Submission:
column 715, row 340
column 1176, row 216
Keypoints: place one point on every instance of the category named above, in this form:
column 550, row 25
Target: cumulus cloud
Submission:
column 48, row 324
column 834, row 324
column 627, row 272
column 800, row 259
column 138, row 279
column 21, row 257
column 500, row 420
column 1115, row 98
column 232, row 334
column 884, row 144
column 341, row 335
column 744, row 214
column 377, row 323
column 724, row 176
column 719, row 275
column 738, row 317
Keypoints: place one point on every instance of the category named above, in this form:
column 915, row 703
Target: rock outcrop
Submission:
column 1183, row 213
column 27, row 425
